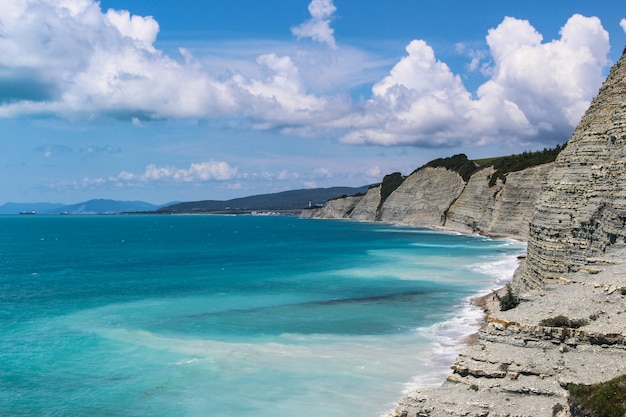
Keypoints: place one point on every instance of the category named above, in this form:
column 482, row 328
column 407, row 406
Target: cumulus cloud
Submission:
column 197, row 172
column 279, row 97
column 318, row 27
column 622, row 23
column 114, row 70
column 200, row 172
column 536, row 90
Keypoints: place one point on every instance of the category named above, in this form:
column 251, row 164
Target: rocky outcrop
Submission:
column 502, row 210
column 338, row 208
column 367, row 208
column 423, row 198
column 575, row 268
column 440, row 198
column 519, row 366
column 582, row 208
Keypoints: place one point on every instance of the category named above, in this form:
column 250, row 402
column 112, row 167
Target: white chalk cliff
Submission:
column 573, row 214
column 440, row 198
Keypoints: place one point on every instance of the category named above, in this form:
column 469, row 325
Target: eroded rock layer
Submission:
column 570, row 327
column 440, row 198
column 582, row 207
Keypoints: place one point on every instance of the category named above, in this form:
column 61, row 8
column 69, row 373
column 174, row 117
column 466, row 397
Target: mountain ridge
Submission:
column 285, row 200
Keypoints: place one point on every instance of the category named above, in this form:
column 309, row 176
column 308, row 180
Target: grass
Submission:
column 607, row 399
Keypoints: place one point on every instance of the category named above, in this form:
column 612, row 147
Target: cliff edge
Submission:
column 570, row 327
column 441, row 198
column 582, row 207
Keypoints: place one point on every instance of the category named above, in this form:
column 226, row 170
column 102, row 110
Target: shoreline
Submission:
column 460, row 330
column 518, row 365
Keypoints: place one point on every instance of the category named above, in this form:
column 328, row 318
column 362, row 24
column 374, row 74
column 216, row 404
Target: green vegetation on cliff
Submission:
column 505, row 164
column 390, row 183
column 607, row 399
column 457, row 163
column 502, row 165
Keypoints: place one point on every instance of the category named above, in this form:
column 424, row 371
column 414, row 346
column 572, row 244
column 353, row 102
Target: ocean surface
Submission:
column 231, row 316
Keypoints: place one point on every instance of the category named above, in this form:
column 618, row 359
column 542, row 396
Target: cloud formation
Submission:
column 318, row 27
column 622, row 23
column 535, row 89
column 200, row 172
column 68, row 58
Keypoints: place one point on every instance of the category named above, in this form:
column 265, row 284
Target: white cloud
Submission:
column 200, row 172
column 285, row 175
column 536, row 90
column 374, row 172
column 197, row 172
column 114, row 70
column 318, row 27
column 323, row 173
column 279, row 96
column 622, row 23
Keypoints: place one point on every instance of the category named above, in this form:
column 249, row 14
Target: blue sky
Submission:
column 189, row 100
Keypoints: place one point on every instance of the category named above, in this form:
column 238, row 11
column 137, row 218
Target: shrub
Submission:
column 607, row 399
column 518, row 162
column 509, row 300
column 562, row 321
column 390, row 183
column 557, row 409
column 457, row 163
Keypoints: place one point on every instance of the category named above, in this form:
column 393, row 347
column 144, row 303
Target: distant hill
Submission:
column 102, row 206
column 286, row 200
column 16, row 208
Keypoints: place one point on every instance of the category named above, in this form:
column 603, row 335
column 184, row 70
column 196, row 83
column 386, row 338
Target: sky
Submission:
column 163, row 101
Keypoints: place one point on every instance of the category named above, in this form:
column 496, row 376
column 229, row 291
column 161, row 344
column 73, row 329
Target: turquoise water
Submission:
column 230, row 315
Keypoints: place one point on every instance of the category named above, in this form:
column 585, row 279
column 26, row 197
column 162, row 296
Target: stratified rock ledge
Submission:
column 518, row 367
column 575, row 268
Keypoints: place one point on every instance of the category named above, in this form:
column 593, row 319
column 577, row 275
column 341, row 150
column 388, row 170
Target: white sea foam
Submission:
column 450, row 336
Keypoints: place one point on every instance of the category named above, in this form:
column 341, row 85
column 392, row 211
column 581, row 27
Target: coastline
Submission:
column 452, row 336
column 517, row 365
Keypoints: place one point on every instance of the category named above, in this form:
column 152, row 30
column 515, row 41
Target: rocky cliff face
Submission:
column 339, row 208
column 522, row 362
column 502, row 210
column 440, row 198
column 582, row 208
column 423, row 198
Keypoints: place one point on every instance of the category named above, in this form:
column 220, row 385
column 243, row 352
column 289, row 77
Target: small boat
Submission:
column 28, row 212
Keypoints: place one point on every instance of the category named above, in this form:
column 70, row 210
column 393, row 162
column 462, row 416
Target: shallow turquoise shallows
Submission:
column 232, row 316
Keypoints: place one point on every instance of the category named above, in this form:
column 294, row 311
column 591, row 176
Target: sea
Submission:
column 232, row 316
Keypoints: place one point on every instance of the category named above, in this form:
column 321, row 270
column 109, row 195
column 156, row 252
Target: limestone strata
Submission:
column 582, row 208
column 519, row 367
column 367, row 208
column 339, row 208
column 575, row 267
column 502, row 210
column 439, row 198
column 423, row 198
